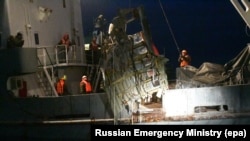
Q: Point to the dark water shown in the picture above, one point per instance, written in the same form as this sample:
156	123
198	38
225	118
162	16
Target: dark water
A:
45	132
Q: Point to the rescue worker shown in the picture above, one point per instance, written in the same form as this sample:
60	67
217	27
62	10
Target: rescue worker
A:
16	41
93	44
85	86
100	26
65	40
60	86
95	52
184	58
64	49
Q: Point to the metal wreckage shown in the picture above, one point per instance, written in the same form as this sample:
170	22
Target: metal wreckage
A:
134	73
133	69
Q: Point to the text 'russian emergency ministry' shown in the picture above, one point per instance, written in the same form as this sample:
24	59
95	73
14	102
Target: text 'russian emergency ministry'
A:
178	134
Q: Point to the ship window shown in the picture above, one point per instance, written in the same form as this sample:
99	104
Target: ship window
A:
36	36
220	108
64	4
15	83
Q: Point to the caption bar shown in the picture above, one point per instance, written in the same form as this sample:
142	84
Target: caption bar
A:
165	131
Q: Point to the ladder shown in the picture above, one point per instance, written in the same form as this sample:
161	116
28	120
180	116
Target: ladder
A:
46	74
45	79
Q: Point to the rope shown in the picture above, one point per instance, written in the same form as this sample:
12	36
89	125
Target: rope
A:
169	26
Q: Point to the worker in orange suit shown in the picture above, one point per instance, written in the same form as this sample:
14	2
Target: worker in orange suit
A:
65	41
60	86
184	58
85	86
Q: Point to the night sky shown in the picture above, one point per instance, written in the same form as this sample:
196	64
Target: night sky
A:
211	30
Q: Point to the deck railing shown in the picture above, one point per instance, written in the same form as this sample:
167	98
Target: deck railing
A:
60	54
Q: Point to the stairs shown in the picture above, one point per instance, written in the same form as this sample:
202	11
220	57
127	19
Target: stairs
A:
45	80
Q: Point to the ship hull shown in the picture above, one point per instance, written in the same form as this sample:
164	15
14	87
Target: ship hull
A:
76	119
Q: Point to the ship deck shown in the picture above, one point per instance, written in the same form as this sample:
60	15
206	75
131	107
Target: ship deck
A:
205	116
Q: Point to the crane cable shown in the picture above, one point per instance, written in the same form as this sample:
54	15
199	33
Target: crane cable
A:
170	29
